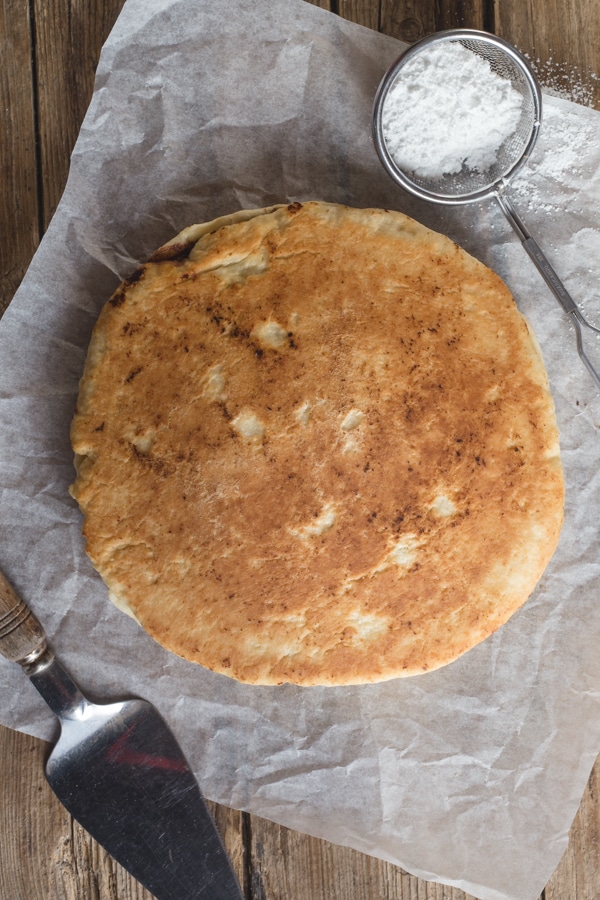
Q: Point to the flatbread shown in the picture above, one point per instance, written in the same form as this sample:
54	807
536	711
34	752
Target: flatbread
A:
316	444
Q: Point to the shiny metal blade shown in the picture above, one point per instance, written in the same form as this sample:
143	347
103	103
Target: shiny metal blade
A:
123	777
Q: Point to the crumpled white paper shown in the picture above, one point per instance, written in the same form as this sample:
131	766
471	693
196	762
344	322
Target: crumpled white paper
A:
470	775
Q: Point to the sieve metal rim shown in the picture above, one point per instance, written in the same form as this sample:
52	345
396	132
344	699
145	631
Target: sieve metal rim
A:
388	79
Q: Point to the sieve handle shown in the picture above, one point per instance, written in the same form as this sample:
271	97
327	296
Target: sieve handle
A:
551	278
533	249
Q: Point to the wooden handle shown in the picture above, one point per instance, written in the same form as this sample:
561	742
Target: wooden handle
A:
22	638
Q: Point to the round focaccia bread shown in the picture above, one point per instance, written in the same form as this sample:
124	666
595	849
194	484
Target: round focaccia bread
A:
316	444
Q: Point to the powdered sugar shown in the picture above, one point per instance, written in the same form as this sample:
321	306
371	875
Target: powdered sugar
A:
448	109
566	153
566	81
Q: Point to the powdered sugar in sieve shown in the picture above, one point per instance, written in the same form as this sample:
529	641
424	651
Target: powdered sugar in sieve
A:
448	109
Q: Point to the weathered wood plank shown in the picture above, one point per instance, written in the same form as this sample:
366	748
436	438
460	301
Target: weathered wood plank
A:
69	37
362	12
232	827
18	198
410	20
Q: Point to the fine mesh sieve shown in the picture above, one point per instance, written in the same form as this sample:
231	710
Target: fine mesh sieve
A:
472	184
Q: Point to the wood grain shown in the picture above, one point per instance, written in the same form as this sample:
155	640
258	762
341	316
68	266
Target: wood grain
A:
69	35
50	50
18	195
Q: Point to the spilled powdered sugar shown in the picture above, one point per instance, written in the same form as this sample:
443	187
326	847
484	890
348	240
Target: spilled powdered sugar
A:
447	109
565	150
560	79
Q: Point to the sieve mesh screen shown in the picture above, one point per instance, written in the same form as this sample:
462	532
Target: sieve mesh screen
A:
469	182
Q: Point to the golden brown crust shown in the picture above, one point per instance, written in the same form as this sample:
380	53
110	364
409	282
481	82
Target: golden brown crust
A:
316	445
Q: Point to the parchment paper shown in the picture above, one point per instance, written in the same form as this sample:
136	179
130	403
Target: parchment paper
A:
470	775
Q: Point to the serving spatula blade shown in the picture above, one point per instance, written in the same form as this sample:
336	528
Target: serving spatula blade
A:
119	771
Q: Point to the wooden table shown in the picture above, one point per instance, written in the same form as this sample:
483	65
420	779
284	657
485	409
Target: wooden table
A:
49	52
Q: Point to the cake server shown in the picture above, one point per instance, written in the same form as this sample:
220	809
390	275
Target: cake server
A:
119	771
